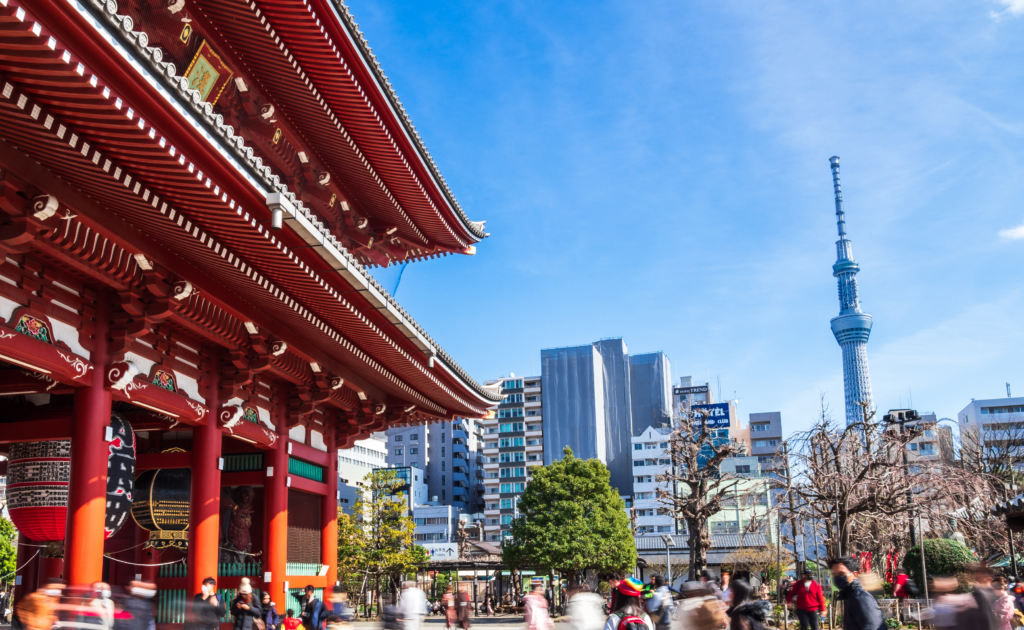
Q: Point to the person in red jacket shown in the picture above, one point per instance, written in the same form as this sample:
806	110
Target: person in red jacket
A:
810	601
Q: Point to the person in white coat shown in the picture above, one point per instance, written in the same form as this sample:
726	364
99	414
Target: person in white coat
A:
413	606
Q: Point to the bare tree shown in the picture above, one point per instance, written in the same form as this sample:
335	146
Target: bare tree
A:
694	489
846	473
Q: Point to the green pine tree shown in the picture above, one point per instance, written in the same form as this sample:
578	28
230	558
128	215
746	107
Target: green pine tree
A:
571	520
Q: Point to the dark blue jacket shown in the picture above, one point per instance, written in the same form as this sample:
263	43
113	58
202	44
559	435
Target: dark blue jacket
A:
860	610
271	617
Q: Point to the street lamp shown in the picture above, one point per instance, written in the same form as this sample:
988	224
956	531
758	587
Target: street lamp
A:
669	543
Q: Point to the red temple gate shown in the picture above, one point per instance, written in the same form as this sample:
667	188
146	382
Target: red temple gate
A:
189	194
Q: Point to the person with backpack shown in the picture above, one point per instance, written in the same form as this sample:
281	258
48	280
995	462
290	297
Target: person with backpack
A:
627	609
748	613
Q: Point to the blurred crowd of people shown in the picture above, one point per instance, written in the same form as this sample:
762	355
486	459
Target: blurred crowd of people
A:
709	603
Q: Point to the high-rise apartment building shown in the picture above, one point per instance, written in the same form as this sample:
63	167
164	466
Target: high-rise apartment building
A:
449	455
513	443
650	390
587	394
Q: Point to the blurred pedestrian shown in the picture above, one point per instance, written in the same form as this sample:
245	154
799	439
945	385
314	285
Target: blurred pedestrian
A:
860	610
726	595
699	609
535	610
101	607
1003	605
36	611
448	603
747	613
207	609
660	605
810	601
585	610
138	604
708	581
413	606
245	610
271	619
980	615
462	600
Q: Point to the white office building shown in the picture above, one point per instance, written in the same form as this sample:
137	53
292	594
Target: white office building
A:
995	421
357	462
650	459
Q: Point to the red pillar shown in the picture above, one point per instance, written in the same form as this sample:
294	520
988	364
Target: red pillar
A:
275	505
87	492
329	513
204	513
28	573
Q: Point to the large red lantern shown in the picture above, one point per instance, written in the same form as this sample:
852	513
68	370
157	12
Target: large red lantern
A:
38	476
37	488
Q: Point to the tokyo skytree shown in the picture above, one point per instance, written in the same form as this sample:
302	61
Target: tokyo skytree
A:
852	327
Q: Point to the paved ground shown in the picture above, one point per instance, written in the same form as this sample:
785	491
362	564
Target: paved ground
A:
437	623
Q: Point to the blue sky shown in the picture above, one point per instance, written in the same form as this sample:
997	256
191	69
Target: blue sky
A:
659	171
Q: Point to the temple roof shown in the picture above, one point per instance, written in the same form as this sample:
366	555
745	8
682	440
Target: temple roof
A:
124	128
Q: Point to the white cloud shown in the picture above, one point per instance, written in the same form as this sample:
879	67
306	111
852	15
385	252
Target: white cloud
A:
1016	233
1013	7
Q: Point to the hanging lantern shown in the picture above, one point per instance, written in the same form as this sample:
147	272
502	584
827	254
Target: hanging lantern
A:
38	477
37	488
120	473
161	506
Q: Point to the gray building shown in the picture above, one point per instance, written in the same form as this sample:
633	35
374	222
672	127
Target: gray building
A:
690	393
587	404
766	439
650	390
449	455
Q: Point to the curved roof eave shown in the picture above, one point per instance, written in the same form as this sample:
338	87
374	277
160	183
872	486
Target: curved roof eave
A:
347	21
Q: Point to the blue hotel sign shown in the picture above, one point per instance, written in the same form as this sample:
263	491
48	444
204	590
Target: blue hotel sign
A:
718	415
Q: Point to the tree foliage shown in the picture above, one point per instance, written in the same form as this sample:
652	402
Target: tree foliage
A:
375	542
571	520
8	550
942	557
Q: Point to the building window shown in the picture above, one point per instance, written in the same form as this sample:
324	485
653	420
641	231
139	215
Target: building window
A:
507	442
531	458
506	519
758	428
442	494
415	464
741	470
398	438
398	451
414	437
651	446
492	445
532	442
442	465
765	443
442	451
512	398
510	427
638	447
507	504
515	412
414	451
443	436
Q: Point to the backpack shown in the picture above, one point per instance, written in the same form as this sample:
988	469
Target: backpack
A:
710	615
632	622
